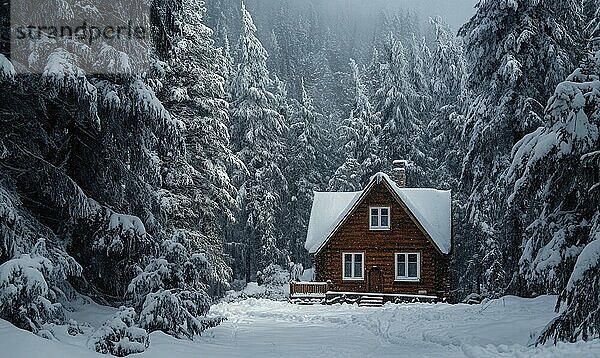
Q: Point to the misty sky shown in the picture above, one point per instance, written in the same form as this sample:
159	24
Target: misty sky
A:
454	12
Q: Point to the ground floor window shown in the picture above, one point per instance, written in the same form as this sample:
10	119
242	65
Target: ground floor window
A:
408	266
352	265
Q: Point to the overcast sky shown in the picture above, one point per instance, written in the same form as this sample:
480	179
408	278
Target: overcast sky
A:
454	12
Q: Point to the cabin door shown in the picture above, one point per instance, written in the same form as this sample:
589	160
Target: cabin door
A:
375	280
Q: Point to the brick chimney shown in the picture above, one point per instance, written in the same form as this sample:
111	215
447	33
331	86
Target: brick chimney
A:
399	168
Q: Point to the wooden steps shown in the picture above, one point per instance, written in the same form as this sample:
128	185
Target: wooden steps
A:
370	301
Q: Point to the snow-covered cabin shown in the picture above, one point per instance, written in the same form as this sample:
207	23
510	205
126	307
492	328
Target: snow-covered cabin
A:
385	239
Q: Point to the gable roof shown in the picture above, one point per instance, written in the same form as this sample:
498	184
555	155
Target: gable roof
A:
430	207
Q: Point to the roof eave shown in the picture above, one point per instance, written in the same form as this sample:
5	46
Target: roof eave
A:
414	218
335	229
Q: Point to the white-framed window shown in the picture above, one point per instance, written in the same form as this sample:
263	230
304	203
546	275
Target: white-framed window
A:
353	264
379	218
408	266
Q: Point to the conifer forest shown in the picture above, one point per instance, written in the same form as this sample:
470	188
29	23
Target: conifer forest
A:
159	188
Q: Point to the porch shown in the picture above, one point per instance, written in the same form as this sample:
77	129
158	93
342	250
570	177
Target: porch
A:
324	293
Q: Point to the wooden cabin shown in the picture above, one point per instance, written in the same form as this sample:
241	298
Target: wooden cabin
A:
384	243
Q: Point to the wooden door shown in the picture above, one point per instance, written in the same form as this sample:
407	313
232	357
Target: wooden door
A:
375	280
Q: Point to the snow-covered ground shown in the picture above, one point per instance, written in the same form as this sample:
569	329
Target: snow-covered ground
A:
265	328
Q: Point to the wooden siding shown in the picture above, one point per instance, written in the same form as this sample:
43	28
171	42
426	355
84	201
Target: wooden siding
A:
379	248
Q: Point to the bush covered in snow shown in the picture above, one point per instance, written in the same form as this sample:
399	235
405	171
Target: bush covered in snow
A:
26	297
179	313
119	336
272	283
170	293
273	275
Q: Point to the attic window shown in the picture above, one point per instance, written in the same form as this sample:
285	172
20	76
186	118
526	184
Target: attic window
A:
379	218
408	266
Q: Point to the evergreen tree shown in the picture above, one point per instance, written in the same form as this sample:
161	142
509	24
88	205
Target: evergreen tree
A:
446	81
258	138
398	108
306	171
359	141
556	174
199	196
97	160
518	51
87	151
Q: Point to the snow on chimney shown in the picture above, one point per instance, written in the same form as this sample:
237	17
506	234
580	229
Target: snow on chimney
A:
400	172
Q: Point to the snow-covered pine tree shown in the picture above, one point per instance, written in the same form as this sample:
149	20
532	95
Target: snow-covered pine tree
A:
372	72
306	171
556	171
419	59
258	134
446	75
199	197
358	135
398	109
228	63
28	295
223	15
517	52
78	150
120	335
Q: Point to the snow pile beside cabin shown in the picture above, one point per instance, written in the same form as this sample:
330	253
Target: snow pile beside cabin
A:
431	207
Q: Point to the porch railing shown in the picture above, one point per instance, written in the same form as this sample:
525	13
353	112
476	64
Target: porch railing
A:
298	289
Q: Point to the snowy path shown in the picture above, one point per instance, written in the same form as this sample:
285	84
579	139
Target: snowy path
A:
276	329
263	328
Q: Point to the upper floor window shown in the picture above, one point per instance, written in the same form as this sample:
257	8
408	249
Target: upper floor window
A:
353	265
408	266
379	218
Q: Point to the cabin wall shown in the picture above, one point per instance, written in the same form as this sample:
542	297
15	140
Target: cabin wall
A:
380	247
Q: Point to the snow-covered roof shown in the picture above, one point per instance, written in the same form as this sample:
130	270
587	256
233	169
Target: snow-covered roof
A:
327	211
431	207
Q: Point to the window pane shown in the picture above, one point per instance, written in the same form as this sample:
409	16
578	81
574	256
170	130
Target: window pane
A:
358	265
401	269
374	221
401	265
358	269
385	222
412	265
385	211
401	258
412	269
374	218
348	265
412	258
348	269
